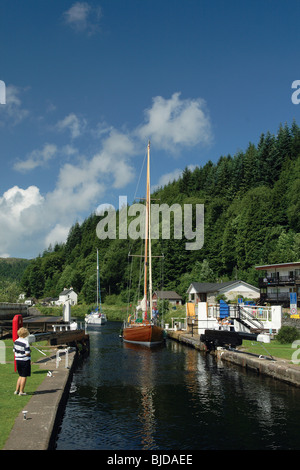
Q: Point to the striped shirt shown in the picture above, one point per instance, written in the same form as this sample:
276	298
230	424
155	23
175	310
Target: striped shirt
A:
22	349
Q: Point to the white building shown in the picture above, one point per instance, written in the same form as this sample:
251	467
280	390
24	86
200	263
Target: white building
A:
208	291
67	295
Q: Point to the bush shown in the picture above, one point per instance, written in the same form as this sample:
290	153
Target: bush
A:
287	334
113	299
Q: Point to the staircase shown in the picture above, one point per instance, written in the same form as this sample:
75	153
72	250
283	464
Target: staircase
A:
252	325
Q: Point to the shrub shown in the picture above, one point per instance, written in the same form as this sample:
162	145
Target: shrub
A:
287	334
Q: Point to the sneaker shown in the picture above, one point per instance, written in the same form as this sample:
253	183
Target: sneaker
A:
22	393
16	392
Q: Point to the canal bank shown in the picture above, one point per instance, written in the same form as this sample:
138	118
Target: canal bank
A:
279	369
46	407
44	410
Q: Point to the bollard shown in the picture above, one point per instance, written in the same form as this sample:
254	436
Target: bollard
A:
58	358
67	358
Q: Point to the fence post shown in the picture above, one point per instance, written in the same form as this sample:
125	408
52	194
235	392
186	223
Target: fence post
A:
2	353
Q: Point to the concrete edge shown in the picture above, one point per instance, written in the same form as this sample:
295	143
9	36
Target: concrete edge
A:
278	369
45	409
60	409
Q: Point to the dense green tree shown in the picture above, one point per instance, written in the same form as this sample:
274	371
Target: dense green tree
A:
186	182
252	208
73	240
295	140
36	279
9	291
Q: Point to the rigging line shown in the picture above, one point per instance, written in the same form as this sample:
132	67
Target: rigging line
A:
138	183
140	270
129	283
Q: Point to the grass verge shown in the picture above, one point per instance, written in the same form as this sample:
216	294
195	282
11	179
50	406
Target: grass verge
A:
10	404
274	348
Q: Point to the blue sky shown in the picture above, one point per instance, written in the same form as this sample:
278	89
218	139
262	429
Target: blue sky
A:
88	83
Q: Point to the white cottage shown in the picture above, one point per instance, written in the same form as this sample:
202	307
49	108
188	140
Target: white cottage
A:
208	291
68	295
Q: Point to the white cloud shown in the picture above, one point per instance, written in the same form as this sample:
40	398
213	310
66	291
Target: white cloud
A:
15	200
15	224
36	158
175	122
58	234
13	112
69	150
83	17
73	123
169	177
31	221
85	183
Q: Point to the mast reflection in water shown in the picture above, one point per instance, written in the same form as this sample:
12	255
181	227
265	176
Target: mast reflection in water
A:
172	397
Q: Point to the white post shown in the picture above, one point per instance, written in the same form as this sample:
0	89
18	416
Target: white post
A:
276	312
67	312
57	358
67	358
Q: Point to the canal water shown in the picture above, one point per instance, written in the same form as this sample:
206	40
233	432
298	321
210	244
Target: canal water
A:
173	398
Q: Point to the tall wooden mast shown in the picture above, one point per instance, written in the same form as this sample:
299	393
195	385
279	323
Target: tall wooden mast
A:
147	239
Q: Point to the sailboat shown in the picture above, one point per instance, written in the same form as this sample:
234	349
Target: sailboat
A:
144	331
97	317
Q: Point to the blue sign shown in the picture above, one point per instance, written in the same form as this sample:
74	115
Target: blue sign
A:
224	309
293	298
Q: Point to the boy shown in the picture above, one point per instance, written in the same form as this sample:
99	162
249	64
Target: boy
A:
23	360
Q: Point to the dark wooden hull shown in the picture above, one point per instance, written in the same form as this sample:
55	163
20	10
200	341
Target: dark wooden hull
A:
144	334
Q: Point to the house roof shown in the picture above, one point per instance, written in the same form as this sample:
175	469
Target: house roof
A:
205	287
168	294
279	265
66	291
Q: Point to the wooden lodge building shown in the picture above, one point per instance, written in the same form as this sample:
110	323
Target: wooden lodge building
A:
278	281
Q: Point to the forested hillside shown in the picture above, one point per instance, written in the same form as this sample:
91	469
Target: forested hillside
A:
252	207
12	269
11	273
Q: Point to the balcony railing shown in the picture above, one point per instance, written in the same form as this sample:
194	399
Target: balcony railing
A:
276	281
277	296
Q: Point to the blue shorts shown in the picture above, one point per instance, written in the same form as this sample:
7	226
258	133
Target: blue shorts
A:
24	368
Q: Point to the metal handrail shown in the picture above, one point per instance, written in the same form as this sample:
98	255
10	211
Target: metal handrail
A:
245	315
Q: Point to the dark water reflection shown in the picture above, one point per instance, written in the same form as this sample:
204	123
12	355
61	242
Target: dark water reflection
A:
173	398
